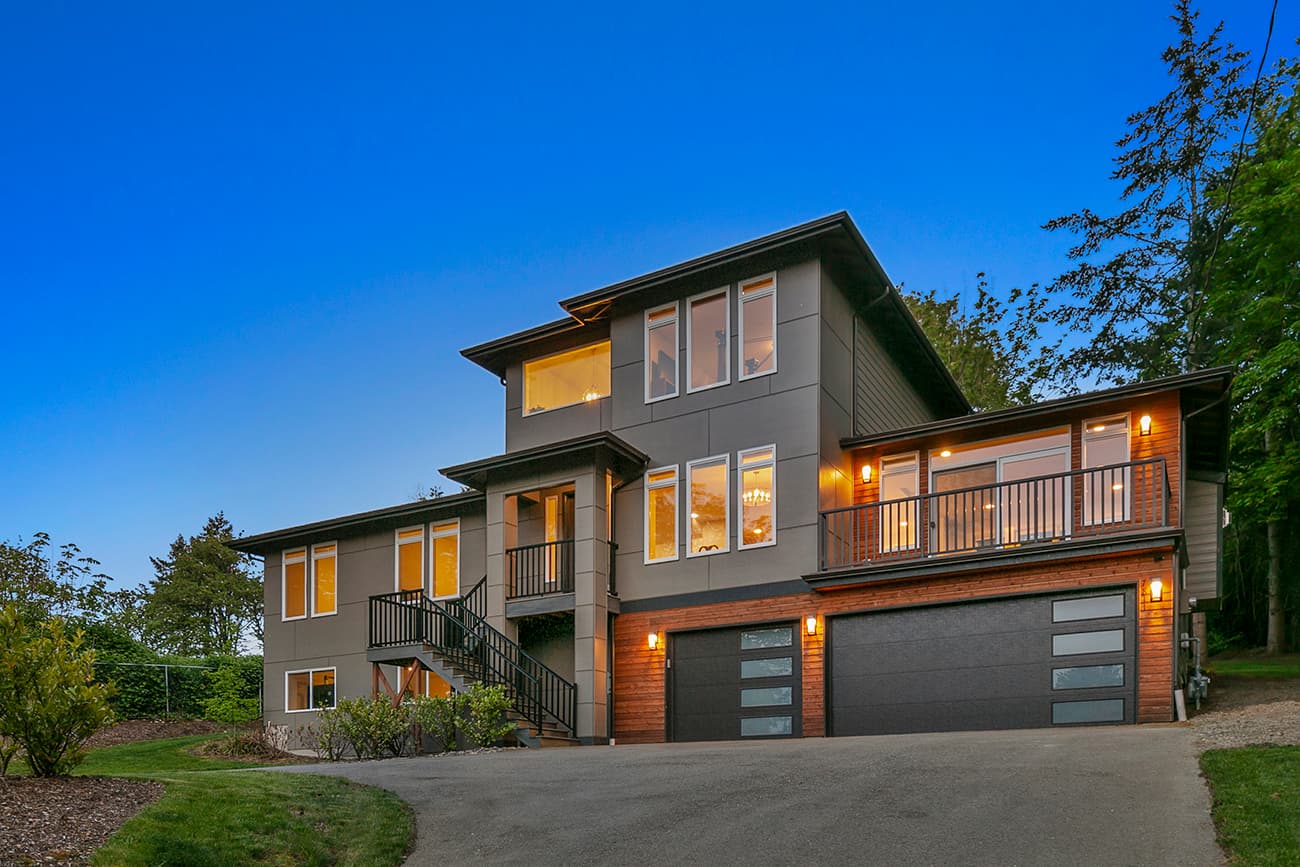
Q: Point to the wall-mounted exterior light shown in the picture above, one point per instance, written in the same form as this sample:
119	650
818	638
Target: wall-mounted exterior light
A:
1144	425
946	453
1156	589
866	474
810	624
653	641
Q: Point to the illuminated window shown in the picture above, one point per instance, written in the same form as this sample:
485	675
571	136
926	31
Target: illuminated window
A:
708	523
661	353
757	497
898	510
423	682
295	584
1106	489
567	378
661	515
410	559
446	559
309	690
324	578
708	361
758	326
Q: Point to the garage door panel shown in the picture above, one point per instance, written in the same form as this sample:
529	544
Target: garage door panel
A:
979	665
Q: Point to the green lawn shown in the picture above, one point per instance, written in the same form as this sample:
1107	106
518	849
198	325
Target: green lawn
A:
1257	803
1256	666
214	814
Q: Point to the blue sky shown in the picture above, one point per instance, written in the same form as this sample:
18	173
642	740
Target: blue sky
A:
241	245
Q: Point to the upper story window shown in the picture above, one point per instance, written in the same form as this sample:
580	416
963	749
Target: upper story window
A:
661	515
1106	492
409	568
661	353
709	527
899	487
446	559
757	497
708	336
758	326
324	579
566	378
294	585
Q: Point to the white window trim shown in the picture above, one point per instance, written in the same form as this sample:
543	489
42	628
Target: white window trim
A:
523	380
725	292
309	672
433	576
677	350
915	458
741	298
1084	439
726	506
284	584
677	512
741	466
311	577
397	558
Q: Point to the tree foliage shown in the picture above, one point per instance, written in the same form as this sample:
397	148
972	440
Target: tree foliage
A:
1138	293
994	348
42	583
49	701
205	596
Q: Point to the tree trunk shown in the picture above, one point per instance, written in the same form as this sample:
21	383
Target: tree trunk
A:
1276	620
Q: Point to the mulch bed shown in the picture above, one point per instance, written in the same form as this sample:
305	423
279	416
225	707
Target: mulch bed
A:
64	819
132	730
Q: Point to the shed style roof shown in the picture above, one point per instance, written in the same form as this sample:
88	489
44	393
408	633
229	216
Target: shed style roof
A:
625	458
1205	408
834	239
389	517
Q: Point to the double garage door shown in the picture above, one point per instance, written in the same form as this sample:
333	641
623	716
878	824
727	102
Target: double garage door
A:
1025	662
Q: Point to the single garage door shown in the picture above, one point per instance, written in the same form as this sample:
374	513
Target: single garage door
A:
726	684
1026	662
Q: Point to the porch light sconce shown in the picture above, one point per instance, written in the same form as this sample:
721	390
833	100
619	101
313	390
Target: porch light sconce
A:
1157	589
654	640
810	624
866	474
1144	425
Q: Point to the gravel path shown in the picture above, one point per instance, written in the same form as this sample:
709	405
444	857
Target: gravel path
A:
1244	712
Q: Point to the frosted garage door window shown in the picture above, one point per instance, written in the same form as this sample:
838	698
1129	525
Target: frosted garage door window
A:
1104	710
766	726
1092	608
1088	676
1073	643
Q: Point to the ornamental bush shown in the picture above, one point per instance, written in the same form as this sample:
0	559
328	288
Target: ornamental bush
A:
483	720
373	728
49	701
439	717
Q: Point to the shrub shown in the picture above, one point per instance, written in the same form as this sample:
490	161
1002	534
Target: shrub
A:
226	704
49	702
484	719
326	736
374	728
439	717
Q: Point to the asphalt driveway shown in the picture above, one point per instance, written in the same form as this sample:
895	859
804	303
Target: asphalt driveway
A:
1129	795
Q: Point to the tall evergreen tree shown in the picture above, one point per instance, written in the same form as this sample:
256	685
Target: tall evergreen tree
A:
1135	301
205	597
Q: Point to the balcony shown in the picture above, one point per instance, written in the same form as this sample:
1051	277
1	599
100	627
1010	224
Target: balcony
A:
1013	515
546	568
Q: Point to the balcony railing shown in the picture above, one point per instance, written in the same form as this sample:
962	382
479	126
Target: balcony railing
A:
1014	514
535	570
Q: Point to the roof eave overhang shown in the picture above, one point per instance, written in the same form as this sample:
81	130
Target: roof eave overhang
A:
623	457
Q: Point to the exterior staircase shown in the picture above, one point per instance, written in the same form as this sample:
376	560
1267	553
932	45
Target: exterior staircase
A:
453	640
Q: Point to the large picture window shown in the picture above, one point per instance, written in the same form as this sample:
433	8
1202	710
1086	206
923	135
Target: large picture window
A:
324	579
445	541
757	484
661	353
312	689
661	515
708	335
566	378
409	568
294	570
709	521
758	326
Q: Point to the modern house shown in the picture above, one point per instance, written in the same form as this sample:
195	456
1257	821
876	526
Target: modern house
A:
741	497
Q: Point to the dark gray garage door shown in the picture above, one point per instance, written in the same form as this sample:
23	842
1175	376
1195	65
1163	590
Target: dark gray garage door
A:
726	684
1012	663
